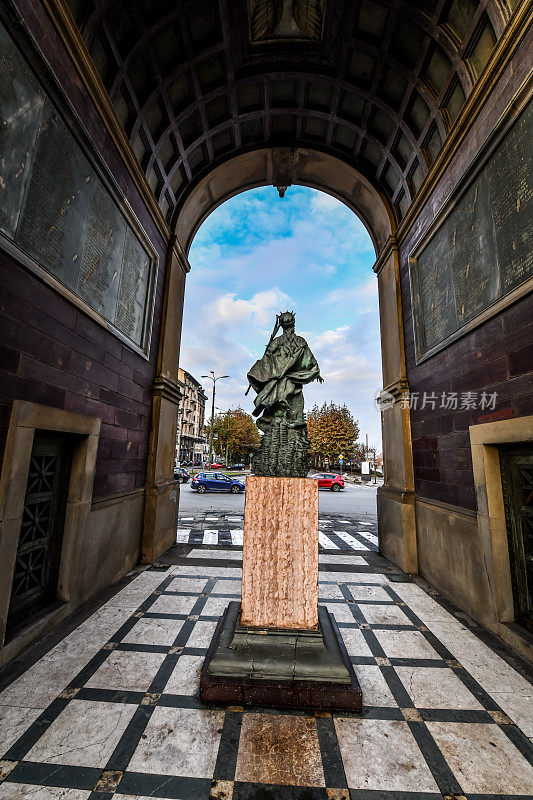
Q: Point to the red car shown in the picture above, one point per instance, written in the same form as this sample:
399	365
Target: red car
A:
216	465
328	480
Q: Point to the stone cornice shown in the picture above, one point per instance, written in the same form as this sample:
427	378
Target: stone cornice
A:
390	246
399	389
168	389
179	254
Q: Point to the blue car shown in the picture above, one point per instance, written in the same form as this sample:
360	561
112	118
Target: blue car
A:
216	482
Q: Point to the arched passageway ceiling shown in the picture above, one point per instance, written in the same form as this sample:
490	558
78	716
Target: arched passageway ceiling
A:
377	83
267	166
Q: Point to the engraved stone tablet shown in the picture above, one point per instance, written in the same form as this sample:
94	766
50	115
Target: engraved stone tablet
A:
483	248
56	207
436	293
52	228
21	103
472	253
99	276
133	288
510	188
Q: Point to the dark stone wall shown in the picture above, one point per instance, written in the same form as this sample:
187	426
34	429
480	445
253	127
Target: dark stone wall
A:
495	357
50	351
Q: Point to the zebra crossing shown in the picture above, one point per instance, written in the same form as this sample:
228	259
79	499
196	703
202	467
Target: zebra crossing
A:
228	530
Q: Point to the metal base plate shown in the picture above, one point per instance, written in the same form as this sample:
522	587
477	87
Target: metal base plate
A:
302	669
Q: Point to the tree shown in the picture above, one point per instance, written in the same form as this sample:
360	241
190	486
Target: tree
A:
358	454
235	433
332	431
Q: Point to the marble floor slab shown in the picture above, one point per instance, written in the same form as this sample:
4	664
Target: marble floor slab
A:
382	755
179	741
279	749
83	733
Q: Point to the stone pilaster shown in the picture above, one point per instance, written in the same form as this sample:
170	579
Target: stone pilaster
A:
396	498
162	490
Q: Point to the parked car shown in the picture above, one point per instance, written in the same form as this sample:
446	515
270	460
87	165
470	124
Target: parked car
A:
328	480
217	465
181	474
236	467
216	482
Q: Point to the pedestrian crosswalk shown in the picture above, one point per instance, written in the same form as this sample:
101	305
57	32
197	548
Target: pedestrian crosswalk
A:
228	531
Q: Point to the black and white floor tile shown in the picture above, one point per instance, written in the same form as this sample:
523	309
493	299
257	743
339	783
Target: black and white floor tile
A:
227	531
112	711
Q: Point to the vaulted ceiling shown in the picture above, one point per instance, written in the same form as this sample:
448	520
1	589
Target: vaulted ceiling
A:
378	84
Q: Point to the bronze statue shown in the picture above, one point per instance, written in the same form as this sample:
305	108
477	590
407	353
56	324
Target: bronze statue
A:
278	378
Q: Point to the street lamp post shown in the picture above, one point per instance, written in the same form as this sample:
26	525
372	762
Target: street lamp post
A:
213	378
227	414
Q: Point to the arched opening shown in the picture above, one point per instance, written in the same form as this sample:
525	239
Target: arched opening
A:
383	91
257	255
283	167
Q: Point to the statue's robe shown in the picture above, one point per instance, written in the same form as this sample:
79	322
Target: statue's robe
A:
278	376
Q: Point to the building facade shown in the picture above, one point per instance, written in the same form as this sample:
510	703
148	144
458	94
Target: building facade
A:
121	132
190	440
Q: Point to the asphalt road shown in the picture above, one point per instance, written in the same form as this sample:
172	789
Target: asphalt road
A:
358	500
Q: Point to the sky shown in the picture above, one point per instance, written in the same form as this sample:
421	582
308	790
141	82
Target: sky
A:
257	255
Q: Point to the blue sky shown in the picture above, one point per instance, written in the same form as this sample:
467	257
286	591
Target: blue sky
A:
257	255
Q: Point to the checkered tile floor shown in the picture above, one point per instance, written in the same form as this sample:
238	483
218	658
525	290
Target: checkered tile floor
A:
112	710
227	530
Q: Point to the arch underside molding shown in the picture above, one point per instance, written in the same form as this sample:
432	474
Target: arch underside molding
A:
283	167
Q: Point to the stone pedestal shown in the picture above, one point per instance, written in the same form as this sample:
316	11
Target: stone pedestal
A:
280	553
278	646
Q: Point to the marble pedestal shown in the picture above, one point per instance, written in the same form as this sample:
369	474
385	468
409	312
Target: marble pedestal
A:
278	646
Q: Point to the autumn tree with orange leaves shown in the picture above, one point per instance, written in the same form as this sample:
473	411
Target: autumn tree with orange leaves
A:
235	433
332	432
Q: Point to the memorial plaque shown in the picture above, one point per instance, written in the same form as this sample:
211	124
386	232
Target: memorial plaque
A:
99	276
21	103
483	248
436	295
55	206
133	290
510	189
53	223
472	253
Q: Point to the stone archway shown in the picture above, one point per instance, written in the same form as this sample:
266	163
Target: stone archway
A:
282	167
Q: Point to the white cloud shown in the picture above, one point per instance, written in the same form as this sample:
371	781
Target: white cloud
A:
362	294
324	202
329	337
229	308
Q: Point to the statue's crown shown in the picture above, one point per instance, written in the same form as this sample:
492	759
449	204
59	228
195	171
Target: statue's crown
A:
287	316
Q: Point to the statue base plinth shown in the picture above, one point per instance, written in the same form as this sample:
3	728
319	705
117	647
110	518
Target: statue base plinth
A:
280	553
279	666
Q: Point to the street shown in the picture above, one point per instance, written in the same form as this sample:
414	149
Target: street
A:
352	500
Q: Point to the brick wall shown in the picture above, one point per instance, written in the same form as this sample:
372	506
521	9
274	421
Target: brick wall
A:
496	357
51	353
